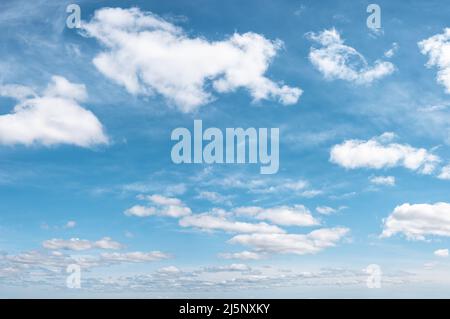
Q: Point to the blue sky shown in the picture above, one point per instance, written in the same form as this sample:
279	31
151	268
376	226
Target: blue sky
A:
86	175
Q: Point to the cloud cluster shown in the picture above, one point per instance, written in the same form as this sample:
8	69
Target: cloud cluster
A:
146	54
23	271
54	117
418	221
380	152
53	262
437	48
299	244
336	60
260	228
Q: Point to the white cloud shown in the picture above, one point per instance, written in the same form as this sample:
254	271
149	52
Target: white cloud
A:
243	255
326	210
379	153
169	270
445	173
392	51
300	244
228	268
80	244
70	224
164	206
441	253
107	243
383	180
140	211
53	118
418	220
214	221
18	92
437	48
146	54
335	60
51	264
36	269
297	215
215	198
71	244
163	200
134	257
267	186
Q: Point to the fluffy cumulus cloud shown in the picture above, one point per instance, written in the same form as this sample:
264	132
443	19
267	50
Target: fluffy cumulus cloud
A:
441	253
418	221
437	48
445	173
81	244
162	206
297	215
51	118
146	54
214	221
336	60
381	152
299	244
